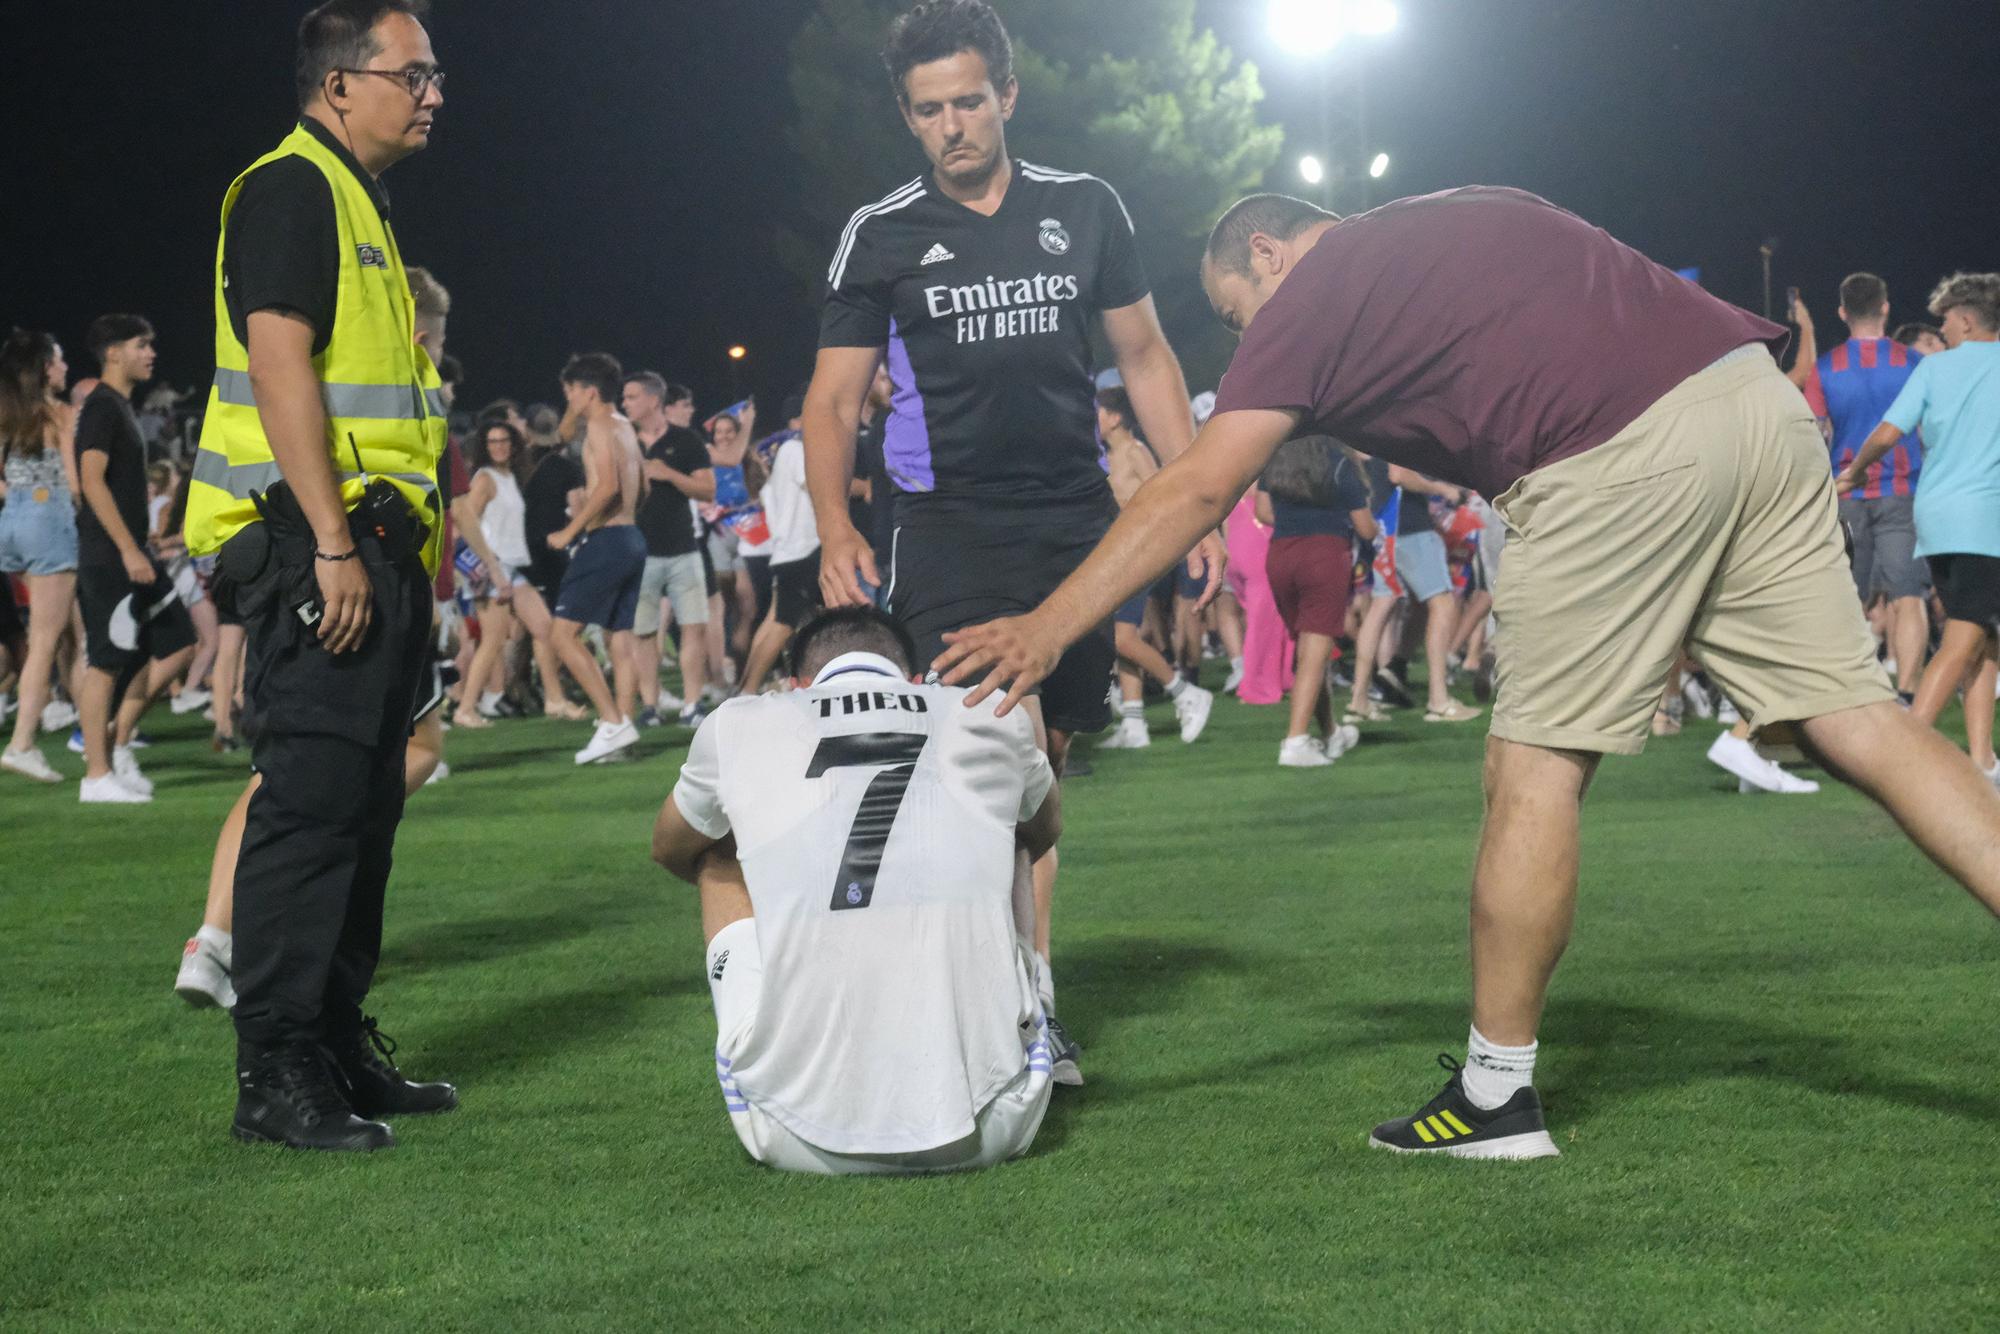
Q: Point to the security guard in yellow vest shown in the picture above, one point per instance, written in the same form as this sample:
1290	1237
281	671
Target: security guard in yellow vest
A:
316	481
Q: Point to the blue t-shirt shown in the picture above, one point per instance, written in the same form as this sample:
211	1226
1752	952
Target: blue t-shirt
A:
1350	493
1954	398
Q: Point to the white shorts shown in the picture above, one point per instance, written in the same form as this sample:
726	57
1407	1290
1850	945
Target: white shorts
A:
679	579
1004	1128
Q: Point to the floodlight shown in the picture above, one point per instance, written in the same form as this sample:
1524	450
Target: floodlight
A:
1379	167
1311	170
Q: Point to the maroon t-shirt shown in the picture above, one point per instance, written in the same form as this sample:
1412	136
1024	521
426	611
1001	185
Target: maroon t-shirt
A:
1476	335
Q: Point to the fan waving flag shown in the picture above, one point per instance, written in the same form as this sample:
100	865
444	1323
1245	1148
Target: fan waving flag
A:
1385	546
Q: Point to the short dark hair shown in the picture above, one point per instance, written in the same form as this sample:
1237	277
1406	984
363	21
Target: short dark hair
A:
1907	334
597	370
340	34
652	381
1863	295
1978	293
850	630
1280	217
677	393
1113	398
939	30
107	330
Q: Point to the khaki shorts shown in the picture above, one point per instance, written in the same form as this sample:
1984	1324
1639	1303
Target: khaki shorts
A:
1709	522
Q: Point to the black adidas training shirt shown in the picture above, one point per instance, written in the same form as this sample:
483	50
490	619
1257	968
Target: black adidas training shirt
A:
985	321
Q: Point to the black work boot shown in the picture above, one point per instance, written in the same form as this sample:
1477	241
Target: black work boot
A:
374	1086
287	1095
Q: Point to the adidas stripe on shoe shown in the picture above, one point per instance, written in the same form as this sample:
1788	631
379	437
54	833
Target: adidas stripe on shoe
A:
1451	1124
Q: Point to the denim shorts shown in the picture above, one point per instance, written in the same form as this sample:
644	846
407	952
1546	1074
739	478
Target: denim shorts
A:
37	536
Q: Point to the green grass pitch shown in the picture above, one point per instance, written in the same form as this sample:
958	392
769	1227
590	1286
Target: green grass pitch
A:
1768	1062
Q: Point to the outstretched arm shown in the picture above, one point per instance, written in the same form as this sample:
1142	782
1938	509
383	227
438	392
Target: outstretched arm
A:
1187	499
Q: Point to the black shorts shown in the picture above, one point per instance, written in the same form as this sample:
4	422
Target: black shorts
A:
1968	586
795	595
956	563
601	586
759	570
126	625
11	626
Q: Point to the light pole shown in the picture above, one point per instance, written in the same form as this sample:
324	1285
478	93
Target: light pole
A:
1312	29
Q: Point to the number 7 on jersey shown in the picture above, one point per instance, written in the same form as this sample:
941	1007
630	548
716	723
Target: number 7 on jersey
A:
854	884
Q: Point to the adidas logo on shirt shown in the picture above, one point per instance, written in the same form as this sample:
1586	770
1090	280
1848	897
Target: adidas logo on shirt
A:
937	254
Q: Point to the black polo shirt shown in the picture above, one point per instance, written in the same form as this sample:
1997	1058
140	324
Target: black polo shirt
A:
282	248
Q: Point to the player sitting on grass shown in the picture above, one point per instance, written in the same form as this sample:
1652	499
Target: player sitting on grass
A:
861	845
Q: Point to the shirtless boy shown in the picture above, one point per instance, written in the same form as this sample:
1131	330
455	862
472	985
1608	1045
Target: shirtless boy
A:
607	551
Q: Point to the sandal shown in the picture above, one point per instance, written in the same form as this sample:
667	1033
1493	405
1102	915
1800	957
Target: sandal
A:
1453	712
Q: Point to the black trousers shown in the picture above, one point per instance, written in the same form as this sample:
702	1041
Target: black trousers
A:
318	843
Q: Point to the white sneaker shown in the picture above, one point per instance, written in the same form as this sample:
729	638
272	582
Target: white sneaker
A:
1344	738
1699	702
607	740
1193	708
439	774
29	763
204	977
58	714
108	791
1302	752
126	768
669	702
1130	734
1235	680
1753	772
1726	714
191	699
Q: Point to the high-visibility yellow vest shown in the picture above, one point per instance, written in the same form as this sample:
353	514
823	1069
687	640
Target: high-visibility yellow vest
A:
385	416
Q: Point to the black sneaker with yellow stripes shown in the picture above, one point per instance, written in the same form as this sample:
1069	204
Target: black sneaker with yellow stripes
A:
1451	1124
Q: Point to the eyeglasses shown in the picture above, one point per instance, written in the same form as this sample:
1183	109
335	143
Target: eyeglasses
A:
414	80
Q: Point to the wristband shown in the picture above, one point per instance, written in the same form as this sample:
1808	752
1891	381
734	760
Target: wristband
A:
350	554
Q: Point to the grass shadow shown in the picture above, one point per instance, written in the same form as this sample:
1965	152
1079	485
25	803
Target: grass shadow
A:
530	1032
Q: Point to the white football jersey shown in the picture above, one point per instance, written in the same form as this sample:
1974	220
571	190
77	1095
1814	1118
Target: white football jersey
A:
875	821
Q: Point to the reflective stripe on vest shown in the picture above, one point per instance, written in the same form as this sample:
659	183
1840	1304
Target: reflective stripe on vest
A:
383	402
240	479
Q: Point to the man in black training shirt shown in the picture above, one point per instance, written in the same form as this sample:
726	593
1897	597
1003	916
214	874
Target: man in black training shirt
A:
131	616
978	282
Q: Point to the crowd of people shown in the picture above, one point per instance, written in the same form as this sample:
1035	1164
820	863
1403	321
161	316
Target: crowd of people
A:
950	473
605	549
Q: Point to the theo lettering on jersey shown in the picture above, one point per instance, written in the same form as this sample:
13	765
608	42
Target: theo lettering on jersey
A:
1003	307
873	701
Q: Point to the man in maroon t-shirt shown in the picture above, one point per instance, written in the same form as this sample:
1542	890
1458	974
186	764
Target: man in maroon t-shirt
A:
1662	484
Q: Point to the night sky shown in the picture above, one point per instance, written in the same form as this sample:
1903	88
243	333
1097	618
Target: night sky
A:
604	173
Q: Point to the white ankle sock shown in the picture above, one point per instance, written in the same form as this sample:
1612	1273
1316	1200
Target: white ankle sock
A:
1236	664
489	699
1494	1073
1176	686
1045	983
1132	708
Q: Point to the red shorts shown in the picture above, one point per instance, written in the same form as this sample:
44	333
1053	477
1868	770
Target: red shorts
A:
1311	581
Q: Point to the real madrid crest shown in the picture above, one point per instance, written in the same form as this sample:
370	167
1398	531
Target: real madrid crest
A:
1054	239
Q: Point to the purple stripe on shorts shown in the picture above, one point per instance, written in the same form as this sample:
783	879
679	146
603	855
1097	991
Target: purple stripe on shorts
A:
906	444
